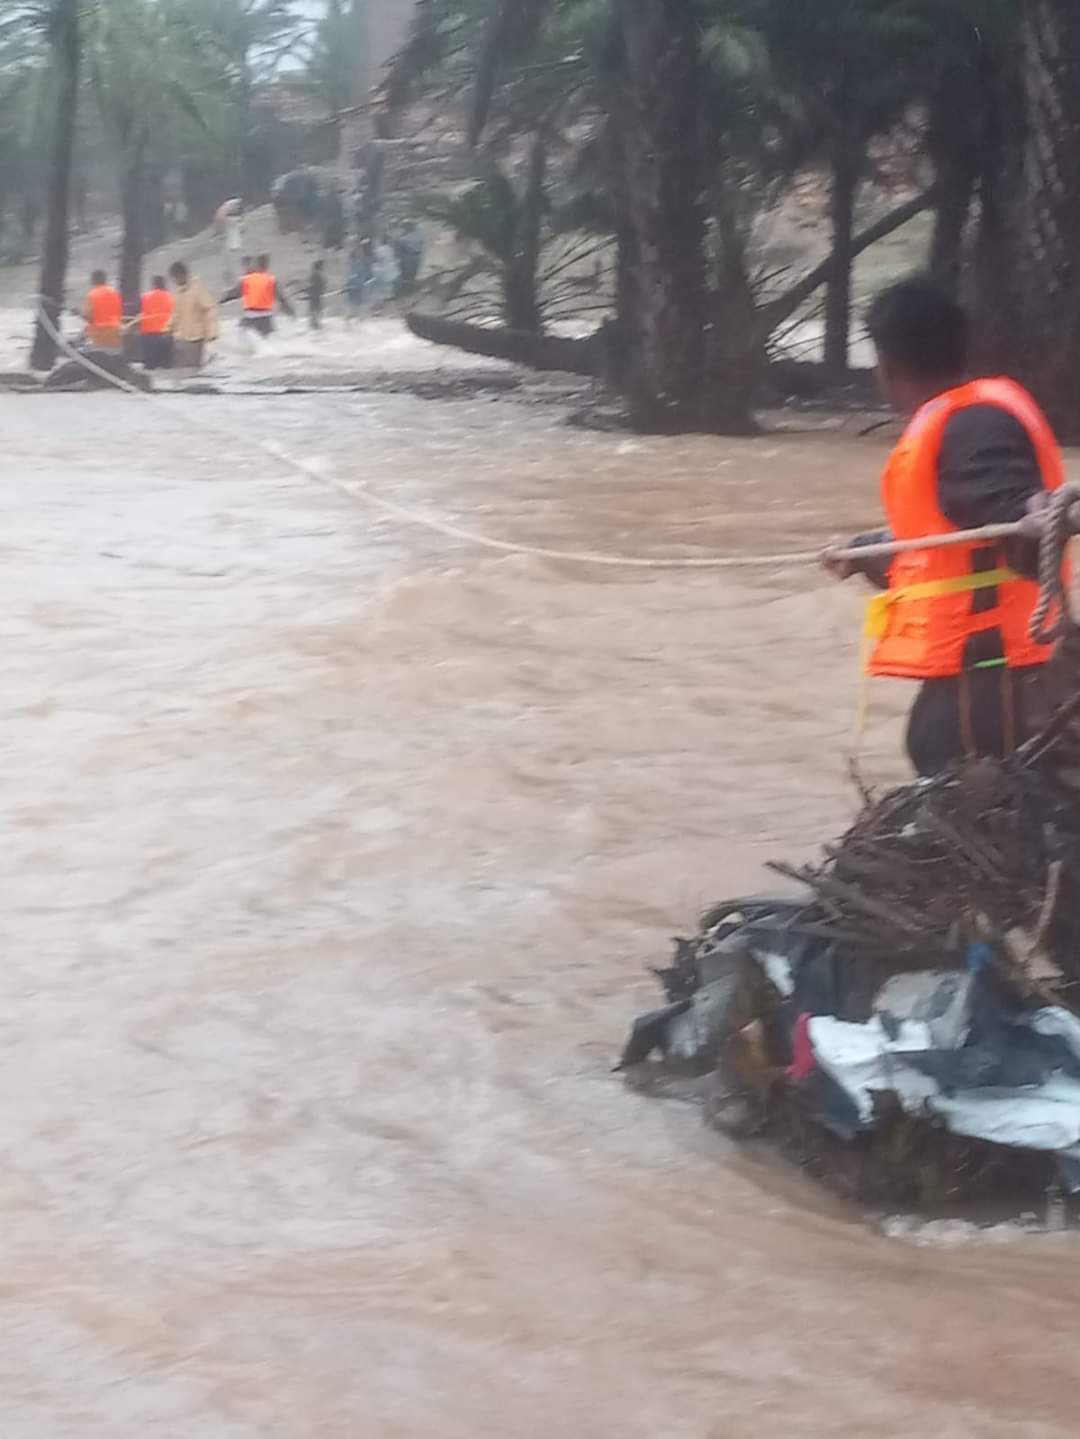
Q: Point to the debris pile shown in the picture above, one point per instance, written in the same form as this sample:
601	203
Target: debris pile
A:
911	1029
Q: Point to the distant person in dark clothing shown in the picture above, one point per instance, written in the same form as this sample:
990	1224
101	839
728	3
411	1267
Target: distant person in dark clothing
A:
409	248
316	294
356	284
974	453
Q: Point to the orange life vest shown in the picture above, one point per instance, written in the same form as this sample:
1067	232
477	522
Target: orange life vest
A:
259	290
930	611
157	311
105	308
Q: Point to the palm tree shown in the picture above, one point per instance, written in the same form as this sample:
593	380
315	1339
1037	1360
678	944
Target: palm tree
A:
145	74
686	128
658	111
333	63
649	80
25	122
59	21
246	42
1037	289
970	89
850	68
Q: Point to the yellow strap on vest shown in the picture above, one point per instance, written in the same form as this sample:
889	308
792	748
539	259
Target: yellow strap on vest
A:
877	617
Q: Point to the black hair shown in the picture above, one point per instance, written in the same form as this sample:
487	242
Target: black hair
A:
159	282
245	264
918	325
99	278
319	265
264	262
179	271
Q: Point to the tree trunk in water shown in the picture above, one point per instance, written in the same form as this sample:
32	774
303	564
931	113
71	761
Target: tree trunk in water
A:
1045	301
950	227
659	124
847	166
54	260
132	246
155	226
538	352
735	339
522	301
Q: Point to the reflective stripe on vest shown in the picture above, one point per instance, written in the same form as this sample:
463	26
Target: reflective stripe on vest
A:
106	310
925	621
157	311
259	291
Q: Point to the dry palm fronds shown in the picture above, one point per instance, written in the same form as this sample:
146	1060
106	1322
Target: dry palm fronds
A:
988	853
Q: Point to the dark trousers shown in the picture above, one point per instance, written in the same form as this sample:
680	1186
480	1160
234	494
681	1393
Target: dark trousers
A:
261	324
315	316
157	351
980	712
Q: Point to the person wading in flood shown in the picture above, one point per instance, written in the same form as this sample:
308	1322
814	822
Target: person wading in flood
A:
975	452
316	294
260	292
103	313
155	318
194	322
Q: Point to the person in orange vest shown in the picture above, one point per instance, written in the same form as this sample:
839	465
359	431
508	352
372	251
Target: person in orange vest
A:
155	321
260	293
103	312
975	452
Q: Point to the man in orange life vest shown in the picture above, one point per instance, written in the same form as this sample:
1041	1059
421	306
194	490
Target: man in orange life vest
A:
975	452
155	319
260	292
103	313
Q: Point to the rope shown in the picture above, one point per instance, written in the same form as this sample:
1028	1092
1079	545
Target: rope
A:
1052	549
1058	528
417	517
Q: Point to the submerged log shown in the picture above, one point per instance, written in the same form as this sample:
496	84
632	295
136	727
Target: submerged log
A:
536	352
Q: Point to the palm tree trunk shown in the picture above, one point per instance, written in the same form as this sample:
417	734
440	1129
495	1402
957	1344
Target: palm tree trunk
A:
999	184
956	139
522	308
155	227
848	159
664	287
132	246
1044	308
66	48
950	227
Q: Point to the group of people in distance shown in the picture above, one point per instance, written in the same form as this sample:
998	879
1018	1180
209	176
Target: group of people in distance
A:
176	324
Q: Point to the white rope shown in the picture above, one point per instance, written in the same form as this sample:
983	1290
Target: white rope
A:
416	517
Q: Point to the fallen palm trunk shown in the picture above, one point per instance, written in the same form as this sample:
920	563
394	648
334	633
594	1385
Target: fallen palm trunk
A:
536	352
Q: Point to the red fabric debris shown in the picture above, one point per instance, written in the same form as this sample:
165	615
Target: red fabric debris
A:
802	1051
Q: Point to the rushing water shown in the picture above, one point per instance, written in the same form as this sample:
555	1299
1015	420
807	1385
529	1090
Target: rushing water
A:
334	853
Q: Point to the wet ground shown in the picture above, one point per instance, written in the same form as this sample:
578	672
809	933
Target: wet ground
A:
334	852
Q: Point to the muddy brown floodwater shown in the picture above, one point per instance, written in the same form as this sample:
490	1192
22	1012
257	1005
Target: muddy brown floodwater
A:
333	855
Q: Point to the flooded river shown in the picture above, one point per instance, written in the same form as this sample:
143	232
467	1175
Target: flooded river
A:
334	852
